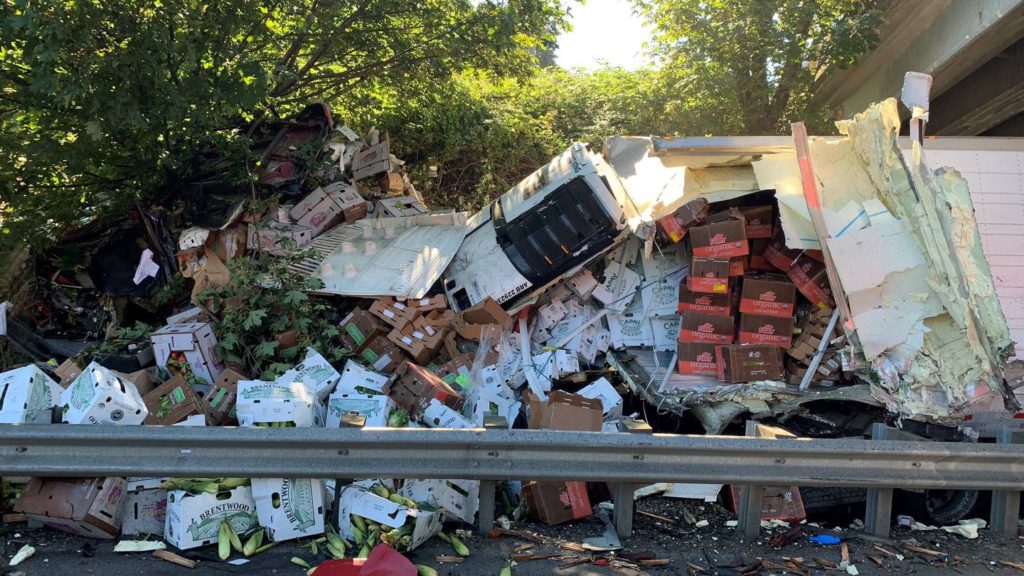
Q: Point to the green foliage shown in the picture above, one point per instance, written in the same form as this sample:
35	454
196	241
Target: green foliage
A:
103	103
263	300
758	62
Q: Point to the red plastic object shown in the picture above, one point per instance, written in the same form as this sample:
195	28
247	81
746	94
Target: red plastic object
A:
383	561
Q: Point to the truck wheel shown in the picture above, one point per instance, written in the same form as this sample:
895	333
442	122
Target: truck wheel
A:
940	507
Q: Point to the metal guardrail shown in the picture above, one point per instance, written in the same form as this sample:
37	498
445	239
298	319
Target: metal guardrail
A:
65	450
490	455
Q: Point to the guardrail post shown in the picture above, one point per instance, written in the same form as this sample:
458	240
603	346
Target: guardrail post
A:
485	511
622	495
878	507
748	509
1006	503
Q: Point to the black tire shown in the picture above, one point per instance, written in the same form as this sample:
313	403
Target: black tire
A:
939	507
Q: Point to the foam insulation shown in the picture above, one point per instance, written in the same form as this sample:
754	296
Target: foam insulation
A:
967	343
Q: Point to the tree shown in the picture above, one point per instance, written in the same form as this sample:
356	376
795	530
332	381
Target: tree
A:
104	103
760	61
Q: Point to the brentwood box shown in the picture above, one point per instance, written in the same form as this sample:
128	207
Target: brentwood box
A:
690	301
768	296
772	330
744	363
811	279
723	238
708	275
193	520
759	221
697	358
706	328
289	508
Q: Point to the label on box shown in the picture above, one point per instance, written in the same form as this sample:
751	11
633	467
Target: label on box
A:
706	328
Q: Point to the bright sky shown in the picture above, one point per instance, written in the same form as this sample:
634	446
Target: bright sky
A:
603	31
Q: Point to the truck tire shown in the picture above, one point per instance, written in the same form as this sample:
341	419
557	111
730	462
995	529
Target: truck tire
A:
939	507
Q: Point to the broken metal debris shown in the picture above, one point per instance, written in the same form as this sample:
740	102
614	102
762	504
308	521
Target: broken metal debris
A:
699	290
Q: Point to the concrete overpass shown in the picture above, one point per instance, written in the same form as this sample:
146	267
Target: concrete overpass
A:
974	49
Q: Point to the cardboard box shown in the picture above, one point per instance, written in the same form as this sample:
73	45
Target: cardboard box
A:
777	254
755	329
437	302
319	210
100	396
706	328
811	280
759	220
413	387
399	207
756	260
358	328
725	237
373	160
279	238
690	301
470	322
219	402
375	408
172	402
393	312
188	350
674	226
460	498
68	371
768	296
260	401
564	411
420	344
358	500
583	284
392	183
748	363
619	283
289	508
27	396
492	397
611	400
356	379
697	358
193	520
557	502
84	506
666	331
315	372
145	512
382	355
437	415
737	266
145	380
779	503
455	372
353	206
708	276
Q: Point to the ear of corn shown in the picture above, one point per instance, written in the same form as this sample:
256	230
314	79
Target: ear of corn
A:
335	552
253	543
459	547
236	542
364	552
358	522
223	542
299	562
422	570
507	570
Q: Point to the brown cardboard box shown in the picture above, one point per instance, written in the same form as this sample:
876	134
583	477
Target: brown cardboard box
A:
421	343
278	238
435	320
756	259
429	303
557	502
778	503
748	363
565	411
84	506
723	235
674	226
759	220
706	328
318	210
756	329
470	322
768	296
382	355
690	301
708	276
777	254
358	328
68	371
392	182
219	402
181	402
413	387
811	279
145	380
455	370
391	311
696	358
737	266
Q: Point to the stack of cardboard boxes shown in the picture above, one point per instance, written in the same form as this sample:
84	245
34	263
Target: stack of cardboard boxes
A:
736	319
